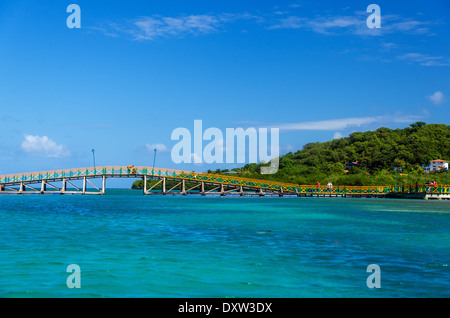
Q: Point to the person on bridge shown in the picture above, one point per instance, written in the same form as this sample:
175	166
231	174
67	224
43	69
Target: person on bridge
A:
329	186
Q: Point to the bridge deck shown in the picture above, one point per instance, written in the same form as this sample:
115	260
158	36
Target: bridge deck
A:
25	183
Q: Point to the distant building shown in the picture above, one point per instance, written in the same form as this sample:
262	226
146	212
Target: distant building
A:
437	165
351	164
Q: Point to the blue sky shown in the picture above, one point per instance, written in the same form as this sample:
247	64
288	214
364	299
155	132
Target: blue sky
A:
136	70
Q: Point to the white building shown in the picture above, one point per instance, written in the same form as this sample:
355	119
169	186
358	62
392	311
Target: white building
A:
437	165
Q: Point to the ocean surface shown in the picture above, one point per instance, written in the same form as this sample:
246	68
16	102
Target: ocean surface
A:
130	245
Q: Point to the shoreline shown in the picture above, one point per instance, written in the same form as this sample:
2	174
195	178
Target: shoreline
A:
177	193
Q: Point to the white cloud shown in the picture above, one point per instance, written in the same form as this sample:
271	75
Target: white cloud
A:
425	60
156	26
345	123
352	24
43	147
291	22
437	98
150	28
412	25
335	25
332	124
338	135
158	147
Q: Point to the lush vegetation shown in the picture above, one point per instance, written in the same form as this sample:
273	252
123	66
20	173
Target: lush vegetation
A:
377	153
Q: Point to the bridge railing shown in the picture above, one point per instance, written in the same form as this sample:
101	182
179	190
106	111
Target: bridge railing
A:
140	171
422	188
344	190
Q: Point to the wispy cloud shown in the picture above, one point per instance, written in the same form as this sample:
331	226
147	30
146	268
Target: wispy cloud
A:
410	26
425	60
332	124
294	5
150	28
346	123
331	25
157	26
338	135
109	29
355	24
158	147
154	27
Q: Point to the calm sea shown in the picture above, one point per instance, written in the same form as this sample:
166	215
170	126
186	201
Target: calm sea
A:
130	245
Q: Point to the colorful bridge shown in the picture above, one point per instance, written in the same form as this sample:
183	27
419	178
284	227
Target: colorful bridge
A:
190	182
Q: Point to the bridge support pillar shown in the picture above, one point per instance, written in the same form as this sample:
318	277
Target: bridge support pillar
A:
260	192
64	186
241	191
202	189
164	186
183	187
2	188
145	185
21	188
43	187
84	185
104	185
222	191
281	193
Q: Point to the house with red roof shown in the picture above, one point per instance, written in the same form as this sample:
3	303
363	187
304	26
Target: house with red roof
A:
437	165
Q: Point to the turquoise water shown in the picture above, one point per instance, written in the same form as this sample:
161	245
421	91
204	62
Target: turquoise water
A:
129	245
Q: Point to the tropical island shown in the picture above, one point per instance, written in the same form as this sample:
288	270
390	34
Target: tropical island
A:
361	159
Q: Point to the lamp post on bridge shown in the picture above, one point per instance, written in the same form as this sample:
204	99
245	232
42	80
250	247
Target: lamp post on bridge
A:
425	168
397	169
446	175
154	160
93	156
271	176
